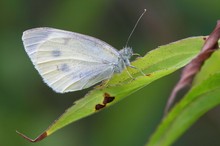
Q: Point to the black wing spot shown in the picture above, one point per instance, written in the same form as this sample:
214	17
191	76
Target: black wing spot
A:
64	67
56	53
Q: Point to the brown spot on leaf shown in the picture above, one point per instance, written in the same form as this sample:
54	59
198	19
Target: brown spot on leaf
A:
99	106
189	72
149	75
39	138
108	98
106	95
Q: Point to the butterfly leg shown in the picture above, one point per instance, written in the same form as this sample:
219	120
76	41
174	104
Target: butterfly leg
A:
129	73
131	66
104	83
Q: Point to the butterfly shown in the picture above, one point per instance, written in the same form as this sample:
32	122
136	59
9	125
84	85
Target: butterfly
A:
69	61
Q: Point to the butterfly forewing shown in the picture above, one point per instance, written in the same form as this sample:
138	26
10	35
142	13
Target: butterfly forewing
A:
69	61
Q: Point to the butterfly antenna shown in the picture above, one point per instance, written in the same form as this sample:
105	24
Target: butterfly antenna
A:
135	27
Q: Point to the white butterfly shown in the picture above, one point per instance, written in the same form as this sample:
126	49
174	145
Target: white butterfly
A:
70	61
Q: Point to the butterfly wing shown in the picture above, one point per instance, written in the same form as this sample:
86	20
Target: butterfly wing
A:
69	61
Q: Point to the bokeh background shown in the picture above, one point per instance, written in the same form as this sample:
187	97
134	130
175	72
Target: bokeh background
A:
28	105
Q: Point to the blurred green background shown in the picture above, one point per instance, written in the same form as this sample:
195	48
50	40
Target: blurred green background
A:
30	106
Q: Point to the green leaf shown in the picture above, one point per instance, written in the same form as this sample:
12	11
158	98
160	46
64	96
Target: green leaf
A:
155	64
203	96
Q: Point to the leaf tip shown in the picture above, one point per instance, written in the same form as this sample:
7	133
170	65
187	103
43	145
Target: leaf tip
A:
39	138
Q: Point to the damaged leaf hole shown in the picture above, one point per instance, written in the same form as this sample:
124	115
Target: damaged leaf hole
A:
107	99
99	106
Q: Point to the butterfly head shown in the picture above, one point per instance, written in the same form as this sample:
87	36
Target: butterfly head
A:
126	54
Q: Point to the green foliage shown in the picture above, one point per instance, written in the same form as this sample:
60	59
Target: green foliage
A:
28	105
203	96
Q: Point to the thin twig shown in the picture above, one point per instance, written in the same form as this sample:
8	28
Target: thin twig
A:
189	72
